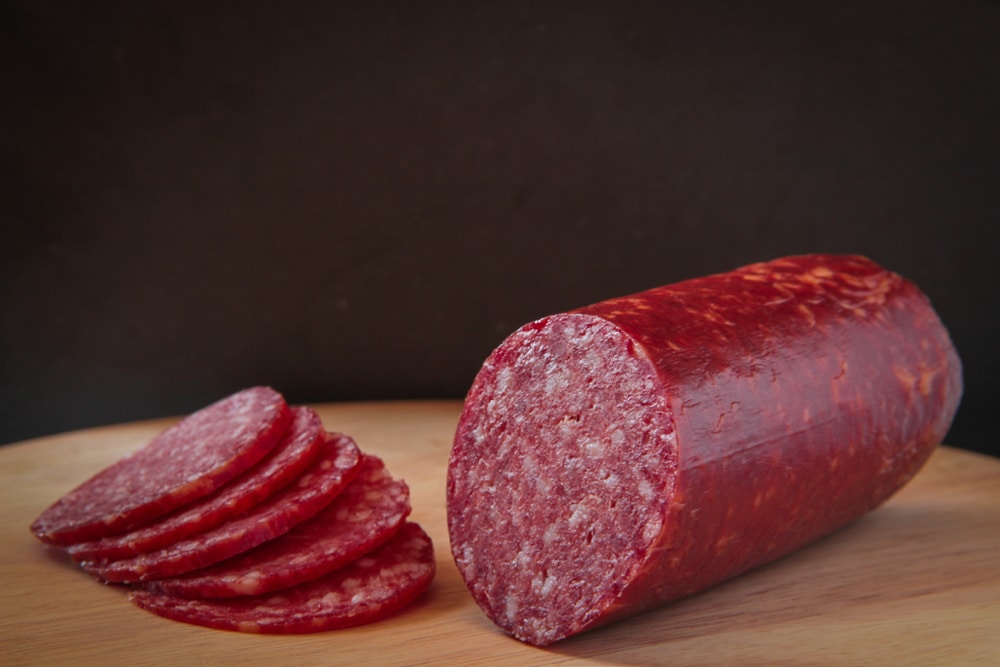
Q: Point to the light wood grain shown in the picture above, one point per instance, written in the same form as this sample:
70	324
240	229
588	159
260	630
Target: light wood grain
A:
917	582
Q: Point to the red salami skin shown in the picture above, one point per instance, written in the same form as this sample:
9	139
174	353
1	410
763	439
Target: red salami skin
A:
371	588
370	510
311	492
187	461
301	444
647	447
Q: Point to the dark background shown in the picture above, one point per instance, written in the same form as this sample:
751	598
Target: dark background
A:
353	202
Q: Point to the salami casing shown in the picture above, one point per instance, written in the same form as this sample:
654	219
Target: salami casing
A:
647	447
187	461
370	588
300	445
312	491
370	510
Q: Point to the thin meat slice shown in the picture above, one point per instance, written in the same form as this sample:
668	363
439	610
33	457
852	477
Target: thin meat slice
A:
314	490
300	446
189	460
371	588
370	510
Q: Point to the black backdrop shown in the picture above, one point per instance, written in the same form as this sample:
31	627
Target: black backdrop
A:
353	201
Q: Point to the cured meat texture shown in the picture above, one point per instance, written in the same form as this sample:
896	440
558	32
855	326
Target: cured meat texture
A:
187	461
315	523
644	448
300	445
310	493
372	587
369	511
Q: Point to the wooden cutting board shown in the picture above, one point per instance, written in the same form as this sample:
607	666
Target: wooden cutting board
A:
917	582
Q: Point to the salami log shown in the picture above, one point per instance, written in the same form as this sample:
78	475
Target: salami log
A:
187	461
647	447
369	511
312	491
369	589
300	445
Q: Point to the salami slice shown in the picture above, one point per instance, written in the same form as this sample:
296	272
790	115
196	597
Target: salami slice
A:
370	510
300	445
187	461
371	588
311	492
647	447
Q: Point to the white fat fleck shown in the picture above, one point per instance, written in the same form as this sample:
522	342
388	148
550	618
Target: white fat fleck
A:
407	569
645	490
579	515
351	584
511	609
617	438
612	481
247	585
556	382
468	558
542	584
346	459
593	448
503	379
547	586
542	485
652	529
549	536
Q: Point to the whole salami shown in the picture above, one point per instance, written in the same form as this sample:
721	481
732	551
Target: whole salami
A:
641	449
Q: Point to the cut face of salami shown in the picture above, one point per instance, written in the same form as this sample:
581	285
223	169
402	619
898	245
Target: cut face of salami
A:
300	445
371	588
312	491
188	461
644	448
369	511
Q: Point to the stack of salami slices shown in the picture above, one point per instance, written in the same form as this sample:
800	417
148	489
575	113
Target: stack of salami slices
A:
248	515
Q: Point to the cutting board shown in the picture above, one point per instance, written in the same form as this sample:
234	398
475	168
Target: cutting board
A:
917	582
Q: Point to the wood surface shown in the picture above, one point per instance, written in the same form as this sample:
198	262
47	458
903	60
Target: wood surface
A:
917	582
